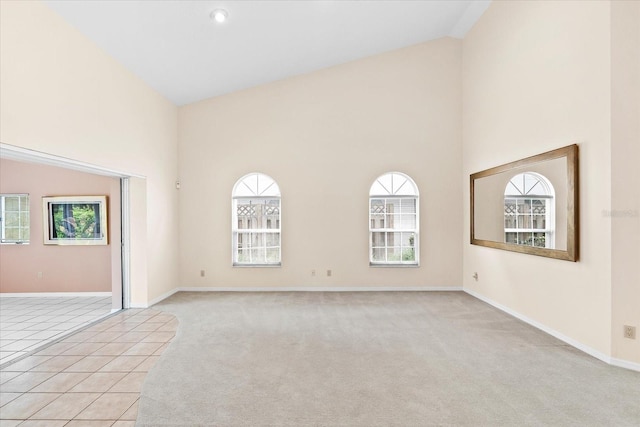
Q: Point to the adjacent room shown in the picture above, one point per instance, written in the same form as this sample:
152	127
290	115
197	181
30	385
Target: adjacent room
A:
48	288
322	212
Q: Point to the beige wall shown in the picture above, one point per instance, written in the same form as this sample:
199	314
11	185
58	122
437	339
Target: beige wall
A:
64	96
325	137
63	268
536	78
625	176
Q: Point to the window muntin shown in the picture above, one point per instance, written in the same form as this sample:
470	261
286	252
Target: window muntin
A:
529	211
14	218
256	221
393	221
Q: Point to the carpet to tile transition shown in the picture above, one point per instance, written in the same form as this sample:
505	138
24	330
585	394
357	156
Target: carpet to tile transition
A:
373	359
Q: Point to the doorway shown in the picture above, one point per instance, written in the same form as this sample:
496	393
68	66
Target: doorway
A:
60	289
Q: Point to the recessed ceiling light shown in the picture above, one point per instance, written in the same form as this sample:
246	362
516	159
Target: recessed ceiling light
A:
219	15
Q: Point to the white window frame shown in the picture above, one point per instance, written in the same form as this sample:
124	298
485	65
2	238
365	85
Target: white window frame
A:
22	240
542	190
394	186
255	189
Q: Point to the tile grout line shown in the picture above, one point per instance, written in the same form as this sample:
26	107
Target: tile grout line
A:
155	344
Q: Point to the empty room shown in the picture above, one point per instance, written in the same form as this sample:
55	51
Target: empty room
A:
322	213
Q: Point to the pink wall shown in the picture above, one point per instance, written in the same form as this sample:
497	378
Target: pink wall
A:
63	268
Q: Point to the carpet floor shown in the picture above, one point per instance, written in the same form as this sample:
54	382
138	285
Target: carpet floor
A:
373	359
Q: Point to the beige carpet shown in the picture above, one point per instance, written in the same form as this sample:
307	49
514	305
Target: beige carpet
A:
373	359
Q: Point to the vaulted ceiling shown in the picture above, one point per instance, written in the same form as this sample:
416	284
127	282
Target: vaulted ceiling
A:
176	48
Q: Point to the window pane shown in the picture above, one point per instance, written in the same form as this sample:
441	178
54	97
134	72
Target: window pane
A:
12	233
377	221
511	237
394	254
11	203
377	206
243	240
11	219
392	207
243	256
273	255
539	240
524	221
273	239
257	240
408	239
258	255
397	222
408	205
378	254
408	254
393	239
510	221
408	221
525	239
377	239
538	206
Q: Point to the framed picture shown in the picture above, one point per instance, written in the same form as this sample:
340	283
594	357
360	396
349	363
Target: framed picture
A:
75	220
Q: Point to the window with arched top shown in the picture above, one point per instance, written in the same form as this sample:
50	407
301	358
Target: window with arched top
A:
256	221
529	211
394	221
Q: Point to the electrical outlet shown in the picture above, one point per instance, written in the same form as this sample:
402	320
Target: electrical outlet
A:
475	276
313	273
39	274
201	273
329	272
630	332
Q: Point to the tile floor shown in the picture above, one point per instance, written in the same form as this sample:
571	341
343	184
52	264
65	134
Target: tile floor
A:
91	378
27	323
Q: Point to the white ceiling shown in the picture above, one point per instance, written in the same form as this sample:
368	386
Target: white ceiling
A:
178	50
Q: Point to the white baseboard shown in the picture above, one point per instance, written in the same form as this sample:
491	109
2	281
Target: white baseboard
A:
625	364
155	300
321	289
298	289
580	346
54	294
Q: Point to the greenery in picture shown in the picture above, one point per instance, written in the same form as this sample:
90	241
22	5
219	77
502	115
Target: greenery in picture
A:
76	221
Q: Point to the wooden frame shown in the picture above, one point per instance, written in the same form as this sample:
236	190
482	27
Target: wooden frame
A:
572	249
75	220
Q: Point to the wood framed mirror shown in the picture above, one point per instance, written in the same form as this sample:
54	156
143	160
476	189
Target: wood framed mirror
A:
529	205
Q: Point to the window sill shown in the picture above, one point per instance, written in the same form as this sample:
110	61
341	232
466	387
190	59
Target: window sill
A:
257	265
14	243
371	264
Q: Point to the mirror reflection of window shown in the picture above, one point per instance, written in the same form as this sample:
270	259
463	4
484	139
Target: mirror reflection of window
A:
529	211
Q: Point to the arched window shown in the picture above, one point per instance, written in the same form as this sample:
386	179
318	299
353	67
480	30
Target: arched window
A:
256	221
529	211
393	220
